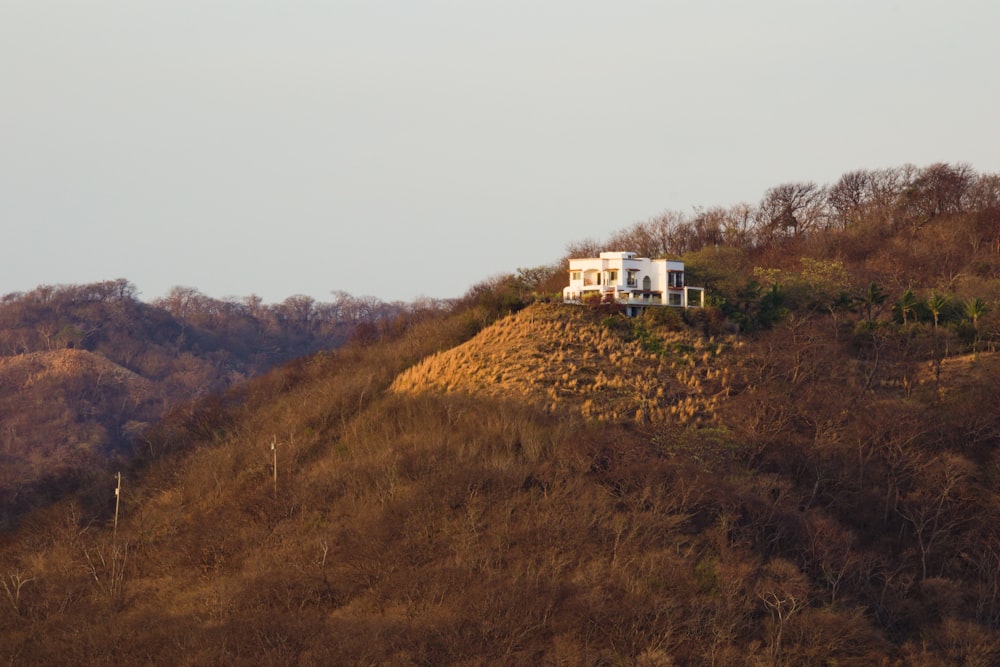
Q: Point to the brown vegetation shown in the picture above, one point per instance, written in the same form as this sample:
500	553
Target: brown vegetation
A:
604	367
445	495
86	369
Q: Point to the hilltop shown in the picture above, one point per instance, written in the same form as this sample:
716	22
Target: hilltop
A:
555	357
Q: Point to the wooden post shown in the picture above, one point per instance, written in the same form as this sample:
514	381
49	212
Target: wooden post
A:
274	449
118	498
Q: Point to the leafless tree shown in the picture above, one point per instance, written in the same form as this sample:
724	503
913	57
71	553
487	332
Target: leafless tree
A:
791	209
849	197
936	506
938	190
12	585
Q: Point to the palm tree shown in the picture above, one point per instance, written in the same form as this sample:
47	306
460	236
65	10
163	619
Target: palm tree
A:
907	304
975	308
870	301
937	303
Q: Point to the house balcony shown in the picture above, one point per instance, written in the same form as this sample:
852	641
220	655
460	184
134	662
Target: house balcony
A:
678	297
618	294
640	299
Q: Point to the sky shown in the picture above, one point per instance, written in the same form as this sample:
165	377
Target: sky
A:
405	149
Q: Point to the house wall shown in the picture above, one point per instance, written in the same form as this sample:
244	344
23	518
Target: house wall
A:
595	273
609	273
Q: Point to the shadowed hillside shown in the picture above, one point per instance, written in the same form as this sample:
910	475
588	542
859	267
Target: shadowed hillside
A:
62	412
86	369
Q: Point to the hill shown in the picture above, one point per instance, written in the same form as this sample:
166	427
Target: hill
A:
555	358
451	525
62	412
804	473
86	369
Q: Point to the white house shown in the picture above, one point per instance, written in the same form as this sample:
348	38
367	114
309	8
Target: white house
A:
635	282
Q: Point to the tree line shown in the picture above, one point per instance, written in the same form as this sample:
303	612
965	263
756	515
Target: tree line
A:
100	316
894	199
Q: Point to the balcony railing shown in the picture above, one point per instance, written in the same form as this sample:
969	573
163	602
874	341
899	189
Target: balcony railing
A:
672	296
630	300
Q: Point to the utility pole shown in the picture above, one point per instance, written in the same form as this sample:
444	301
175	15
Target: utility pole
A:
274	449
118	498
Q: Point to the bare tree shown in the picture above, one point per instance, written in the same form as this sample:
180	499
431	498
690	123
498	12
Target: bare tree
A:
849	197
584	248
297	311
791	209
12	585
737	226
937	506
709	226
940	189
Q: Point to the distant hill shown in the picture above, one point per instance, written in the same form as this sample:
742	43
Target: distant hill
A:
63	412
86	369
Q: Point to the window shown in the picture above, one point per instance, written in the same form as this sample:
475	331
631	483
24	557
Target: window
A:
574	276
612	277
631	281
675	299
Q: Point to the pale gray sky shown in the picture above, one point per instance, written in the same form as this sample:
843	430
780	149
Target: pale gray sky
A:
403	149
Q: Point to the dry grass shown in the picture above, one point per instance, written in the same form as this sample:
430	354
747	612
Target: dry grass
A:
562	358
62	365
960	373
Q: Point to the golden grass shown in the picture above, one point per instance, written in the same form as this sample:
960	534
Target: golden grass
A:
562	358
58	365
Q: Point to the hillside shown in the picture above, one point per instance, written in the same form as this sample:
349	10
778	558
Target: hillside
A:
555	358
85	369
61	412
451	525
806	472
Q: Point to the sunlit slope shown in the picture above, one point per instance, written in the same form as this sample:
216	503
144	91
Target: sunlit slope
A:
604	367
27	370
